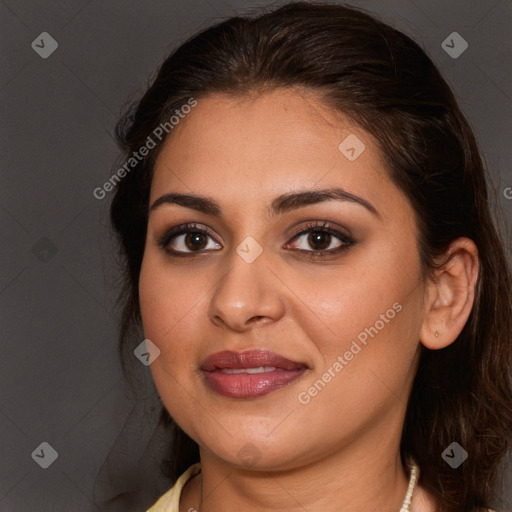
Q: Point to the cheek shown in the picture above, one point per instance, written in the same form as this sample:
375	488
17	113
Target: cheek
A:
165	308
365	368
344	303
170	303
371	311
165	298
153	301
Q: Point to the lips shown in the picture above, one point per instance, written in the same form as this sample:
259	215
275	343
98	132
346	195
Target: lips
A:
249	374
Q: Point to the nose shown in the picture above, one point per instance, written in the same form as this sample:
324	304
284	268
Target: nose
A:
247	296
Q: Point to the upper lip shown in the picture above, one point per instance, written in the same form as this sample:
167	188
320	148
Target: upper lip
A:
249	359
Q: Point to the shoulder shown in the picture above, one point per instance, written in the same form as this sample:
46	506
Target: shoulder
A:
170	501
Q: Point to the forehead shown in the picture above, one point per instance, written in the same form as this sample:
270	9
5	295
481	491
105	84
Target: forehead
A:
265	145
285	119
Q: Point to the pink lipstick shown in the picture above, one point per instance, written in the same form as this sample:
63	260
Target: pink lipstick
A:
249	374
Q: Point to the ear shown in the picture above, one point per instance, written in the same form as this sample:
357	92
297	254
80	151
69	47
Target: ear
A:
450	295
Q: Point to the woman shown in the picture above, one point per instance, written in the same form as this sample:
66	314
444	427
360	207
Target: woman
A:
310	254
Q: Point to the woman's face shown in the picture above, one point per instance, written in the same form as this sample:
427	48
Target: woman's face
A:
332	341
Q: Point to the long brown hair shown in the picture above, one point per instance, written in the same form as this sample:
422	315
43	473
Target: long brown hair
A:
383	81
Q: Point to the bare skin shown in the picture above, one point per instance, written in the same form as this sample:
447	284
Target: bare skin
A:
339	449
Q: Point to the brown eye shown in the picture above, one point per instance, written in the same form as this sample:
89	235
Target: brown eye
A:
191	241
195	241
187	239
321	239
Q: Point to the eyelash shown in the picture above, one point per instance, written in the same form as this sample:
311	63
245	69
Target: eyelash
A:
323	227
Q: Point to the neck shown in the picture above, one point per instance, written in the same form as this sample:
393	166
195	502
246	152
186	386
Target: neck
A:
365	474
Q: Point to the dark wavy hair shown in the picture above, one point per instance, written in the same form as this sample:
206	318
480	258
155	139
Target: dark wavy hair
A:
385	83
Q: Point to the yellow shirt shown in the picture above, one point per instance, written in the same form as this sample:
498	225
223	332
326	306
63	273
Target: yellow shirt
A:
170	501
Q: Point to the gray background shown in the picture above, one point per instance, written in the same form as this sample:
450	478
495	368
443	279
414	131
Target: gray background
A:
60	378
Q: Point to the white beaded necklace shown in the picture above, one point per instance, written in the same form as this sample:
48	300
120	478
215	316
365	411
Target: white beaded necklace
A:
412	484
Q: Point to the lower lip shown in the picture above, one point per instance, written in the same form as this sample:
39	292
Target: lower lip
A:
246	385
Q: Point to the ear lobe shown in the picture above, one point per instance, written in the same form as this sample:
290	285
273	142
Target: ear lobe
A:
450	295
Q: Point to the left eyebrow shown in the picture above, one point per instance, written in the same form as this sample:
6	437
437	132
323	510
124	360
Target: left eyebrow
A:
294	200
281	204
